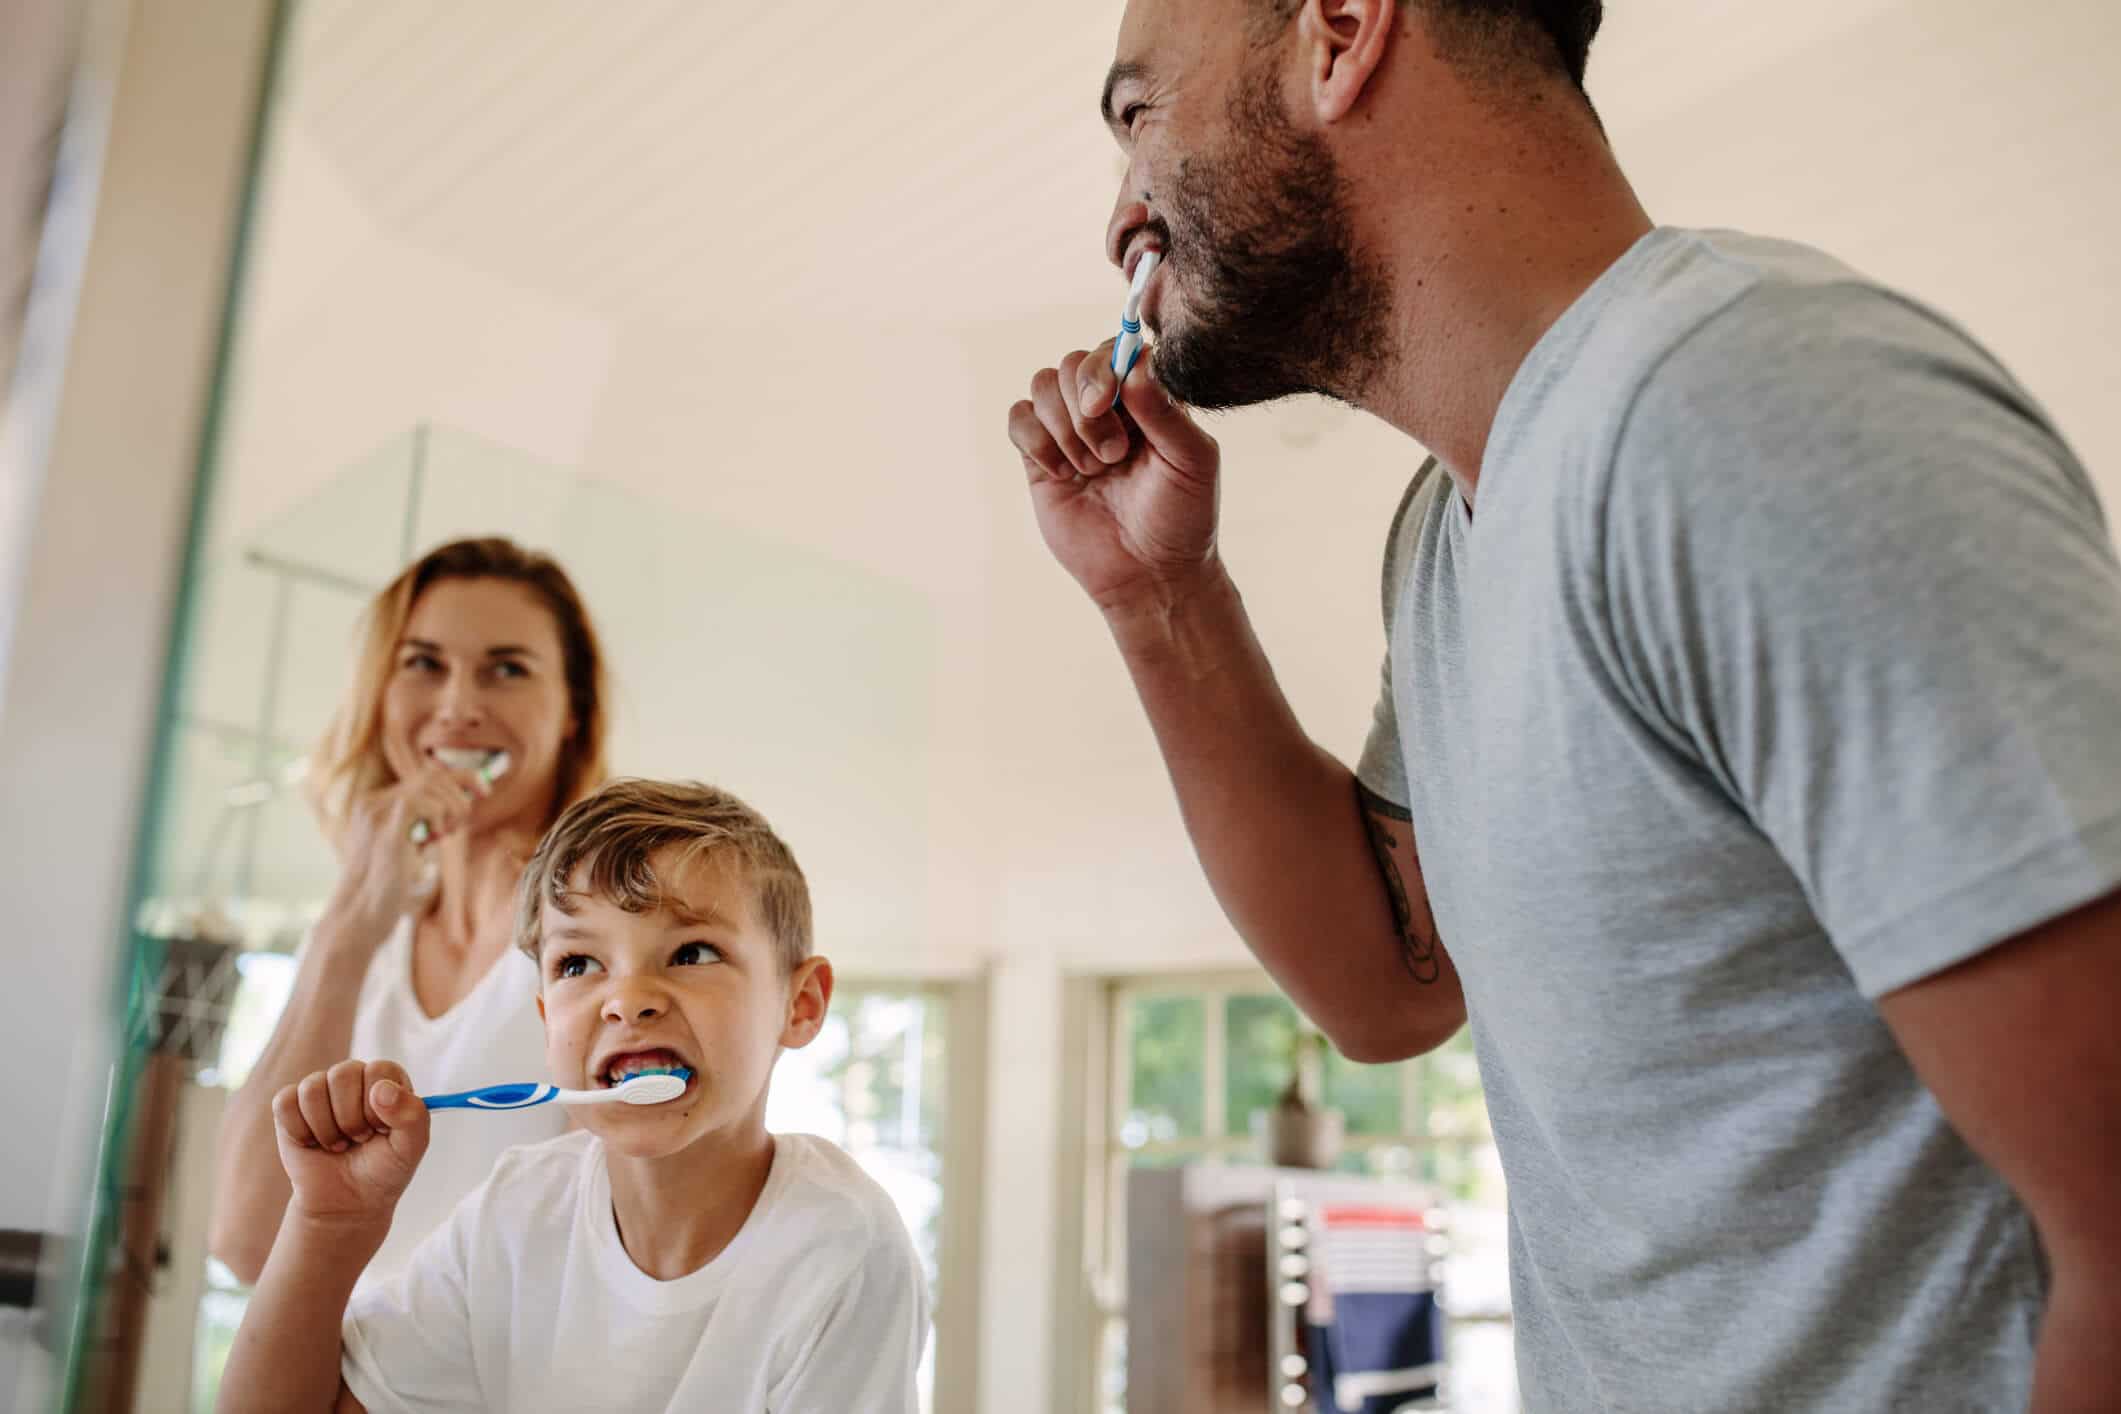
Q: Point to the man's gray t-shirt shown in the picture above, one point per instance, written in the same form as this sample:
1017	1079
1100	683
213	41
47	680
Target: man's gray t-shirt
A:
1780	667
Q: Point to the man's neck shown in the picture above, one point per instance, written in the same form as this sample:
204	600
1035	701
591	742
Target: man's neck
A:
677	1213
1479	283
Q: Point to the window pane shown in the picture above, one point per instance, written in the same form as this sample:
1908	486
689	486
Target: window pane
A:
872	1082
1165	1036
1367	1094
1259	1035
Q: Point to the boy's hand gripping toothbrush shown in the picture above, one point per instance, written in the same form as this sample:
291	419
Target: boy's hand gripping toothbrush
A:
488	766
649	1087
1128	346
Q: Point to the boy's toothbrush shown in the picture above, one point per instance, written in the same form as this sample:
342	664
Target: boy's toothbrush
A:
488	766
1128	346
650	1087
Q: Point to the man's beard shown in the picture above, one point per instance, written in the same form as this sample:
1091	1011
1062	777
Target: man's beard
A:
1278	298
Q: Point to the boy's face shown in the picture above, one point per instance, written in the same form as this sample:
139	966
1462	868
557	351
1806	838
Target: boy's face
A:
703	989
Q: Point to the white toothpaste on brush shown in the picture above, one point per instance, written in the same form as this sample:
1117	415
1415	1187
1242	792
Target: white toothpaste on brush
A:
1128	346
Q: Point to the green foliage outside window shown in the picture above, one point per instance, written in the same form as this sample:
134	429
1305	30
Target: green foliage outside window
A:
1167	1093
1166	1099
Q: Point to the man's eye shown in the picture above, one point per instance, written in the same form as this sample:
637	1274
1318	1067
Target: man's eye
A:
1128	115
695	955
574	965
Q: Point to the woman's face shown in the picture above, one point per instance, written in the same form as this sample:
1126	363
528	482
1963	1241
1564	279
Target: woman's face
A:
480	668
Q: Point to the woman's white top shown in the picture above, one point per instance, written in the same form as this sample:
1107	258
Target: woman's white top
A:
492	1037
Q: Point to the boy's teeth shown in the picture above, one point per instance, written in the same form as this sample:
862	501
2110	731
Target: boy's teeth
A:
620	1075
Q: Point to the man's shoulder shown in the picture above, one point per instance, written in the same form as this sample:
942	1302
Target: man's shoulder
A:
1797	373
1731	323
1716	301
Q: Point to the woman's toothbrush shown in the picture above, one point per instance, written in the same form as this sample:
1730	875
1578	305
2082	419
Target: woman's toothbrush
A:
1128	346
650	1087
488	766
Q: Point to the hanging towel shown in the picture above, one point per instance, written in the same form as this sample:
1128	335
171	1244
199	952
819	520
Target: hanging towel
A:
1375	1339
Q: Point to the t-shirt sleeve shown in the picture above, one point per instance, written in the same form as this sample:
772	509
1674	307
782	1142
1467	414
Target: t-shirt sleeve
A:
1382	767
866	1350
405	1344
1851	569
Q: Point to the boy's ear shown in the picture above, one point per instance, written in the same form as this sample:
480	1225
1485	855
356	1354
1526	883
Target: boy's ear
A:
809	994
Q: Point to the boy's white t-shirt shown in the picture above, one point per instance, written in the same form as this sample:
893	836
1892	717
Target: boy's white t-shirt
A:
526	1301
491	1037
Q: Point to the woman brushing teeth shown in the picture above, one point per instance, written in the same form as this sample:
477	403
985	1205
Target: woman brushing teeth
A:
476	716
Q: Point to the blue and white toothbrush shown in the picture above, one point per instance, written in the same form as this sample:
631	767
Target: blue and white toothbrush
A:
1128	346
647	1088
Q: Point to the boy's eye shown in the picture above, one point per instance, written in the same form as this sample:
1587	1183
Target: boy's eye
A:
575	965
695	955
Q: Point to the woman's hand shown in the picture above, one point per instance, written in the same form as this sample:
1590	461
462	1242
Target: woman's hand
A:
382	864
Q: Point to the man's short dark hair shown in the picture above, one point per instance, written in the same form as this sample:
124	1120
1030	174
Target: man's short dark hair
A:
1554	34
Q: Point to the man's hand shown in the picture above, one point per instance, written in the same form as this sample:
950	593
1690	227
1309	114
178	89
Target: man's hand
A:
1125	491
350	1139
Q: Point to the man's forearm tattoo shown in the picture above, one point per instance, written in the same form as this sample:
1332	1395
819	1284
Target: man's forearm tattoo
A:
1417	944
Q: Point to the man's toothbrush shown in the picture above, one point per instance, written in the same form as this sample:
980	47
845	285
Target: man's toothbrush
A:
489	767
1128	346
652	1087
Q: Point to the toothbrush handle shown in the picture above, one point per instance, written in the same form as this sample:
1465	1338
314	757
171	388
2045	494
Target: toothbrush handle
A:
1125	349
493	1097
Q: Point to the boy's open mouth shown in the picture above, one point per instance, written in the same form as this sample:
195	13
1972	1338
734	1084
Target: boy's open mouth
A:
622	1066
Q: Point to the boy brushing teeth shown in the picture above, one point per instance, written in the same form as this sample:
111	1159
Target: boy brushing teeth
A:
662	1257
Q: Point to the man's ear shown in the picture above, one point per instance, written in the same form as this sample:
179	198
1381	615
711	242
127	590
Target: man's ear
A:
809	994
1344	43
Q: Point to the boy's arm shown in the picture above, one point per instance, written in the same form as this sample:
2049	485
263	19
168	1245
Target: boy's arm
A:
286	1354
350	1139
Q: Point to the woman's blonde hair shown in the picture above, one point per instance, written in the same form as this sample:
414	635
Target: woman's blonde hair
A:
349	763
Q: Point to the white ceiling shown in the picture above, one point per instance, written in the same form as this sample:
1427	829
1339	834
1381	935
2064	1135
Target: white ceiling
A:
721	163
897	164
776	274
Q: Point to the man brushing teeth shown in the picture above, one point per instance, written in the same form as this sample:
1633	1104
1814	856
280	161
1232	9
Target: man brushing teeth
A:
671	1256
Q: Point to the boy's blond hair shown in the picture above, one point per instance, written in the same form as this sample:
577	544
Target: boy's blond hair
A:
611	840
